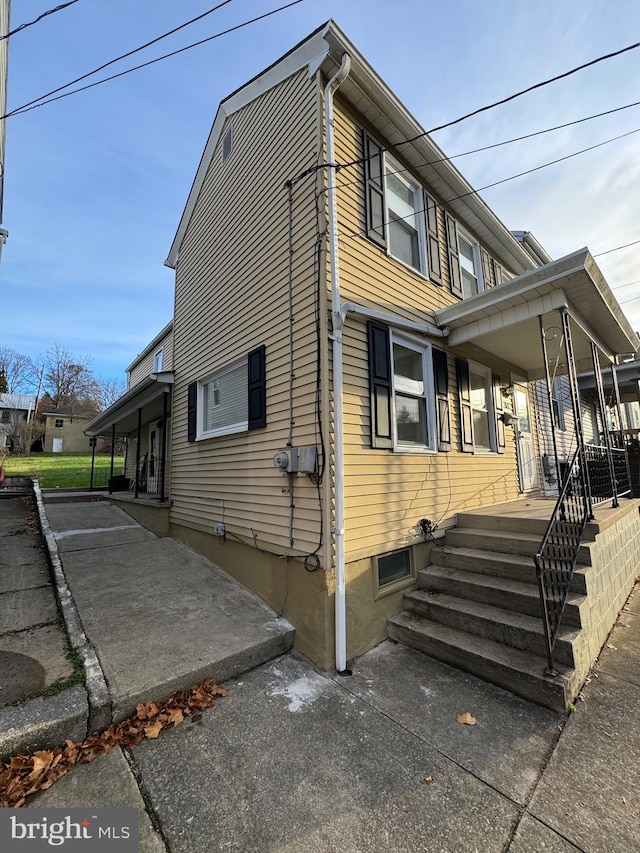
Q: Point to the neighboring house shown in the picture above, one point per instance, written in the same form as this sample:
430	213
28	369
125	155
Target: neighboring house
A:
350	348
16	410
64	432
5	14
143	416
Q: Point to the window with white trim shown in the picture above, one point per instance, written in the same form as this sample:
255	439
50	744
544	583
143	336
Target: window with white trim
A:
413	397
482	414
470	266
405	216
223	402
157	361
401	216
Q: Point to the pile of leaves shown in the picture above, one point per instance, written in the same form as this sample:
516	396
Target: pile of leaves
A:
23	775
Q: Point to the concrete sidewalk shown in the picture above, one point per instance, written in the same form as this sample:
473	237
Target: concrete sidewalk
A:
297	760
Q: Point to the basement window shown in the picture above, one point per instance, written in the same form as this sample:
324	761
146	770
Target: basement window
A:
393	571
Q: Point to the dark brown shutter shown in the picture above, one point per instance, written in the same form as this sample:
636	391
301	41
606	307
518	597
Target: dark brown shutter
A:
380	382
192	411
498	273
433	239
498	407
441	385
374	189
464	396
454	261
487	269
257	388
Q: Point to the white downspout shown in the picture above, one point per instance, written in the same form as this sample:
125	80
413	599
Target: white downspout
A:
336	337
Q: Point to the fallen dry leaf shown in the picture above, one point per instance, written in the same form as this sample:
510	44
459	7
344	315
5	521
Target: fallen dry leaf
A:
153	730
23	775
466	719
428	780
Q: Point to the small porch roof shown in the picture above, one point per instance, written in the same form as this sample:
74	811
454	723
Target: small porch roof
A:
628	375
123	414
504	321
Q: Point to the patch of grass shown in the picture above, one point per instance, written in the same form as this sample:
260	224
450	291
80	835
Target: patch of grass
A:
63	471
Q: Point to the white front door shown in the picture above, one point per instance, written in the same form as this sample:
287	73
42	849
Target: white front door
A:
153	459
57	445
527	468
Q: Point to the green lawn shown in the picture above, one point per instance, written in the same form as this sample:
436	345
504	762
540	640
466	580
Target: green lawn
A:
63	471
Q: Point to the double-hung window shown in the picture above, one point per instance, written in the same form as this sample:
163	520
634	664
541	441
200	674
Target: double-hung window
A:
157	361
481	408
401	216
470	267
405	217
413	395
408	381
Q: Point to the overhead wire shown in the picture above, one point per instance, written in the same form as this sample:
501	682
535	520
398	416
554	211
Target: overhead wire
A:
493	145
122	56
502	101
505	180
32	105
37	20
617	249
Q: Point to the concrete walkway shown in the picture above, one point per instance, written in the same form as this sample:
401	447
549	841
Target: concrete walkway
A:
296	760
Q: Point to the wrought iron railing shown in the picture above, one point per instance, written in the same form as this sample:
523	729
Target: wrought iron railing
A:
622	472
558	552
608	469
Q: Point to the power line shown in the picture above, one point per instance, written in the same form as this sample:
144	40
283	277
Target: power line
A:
503	100
494	145
628	284
122	56
626	301
21	110
617	248
511	178
39	18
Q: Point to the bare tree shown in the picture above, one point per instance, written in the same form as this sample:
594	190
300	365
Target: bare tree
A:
69	381
19	372
110	390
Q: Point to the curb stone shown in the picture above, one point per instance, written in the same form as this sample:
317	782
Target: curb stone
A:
100	711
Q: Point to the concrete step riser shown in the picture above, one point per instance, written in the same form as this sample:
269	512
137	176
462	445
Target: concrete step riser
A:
510	635
501	544
486	564
550	694
509	524
507	599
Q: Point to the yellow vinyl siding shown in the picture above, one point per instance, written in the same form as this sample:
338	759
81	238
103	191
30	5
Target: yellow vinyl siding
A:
144	367
232	296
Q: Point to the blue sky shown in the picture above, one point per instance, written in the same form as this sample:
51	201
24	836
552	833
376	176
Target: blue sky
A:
96	183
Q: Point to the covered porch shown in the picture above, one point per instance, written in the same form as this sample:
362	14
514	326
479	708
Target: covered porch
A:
142	416
525	593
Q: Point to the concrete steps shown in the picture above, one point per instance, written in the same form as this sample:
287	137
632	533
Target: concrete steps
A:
477	607
517	671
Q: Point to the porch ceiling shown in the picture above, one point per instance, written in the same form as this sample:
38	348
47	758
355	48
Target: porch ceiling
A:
146	395
504	321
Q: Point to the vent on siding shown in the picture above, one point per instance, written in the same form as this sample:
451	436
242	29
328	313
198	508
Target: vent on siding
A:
227	144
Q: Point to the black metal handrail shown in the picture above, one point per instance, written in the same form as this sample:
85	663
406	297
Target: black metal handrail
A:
558	552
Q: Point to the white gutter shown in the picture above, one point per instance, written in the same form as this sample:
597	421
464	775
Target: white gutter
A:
336	337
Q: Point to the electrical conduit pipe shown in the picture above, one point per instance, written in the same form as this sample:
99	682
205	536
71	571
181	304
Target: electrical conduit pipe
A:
336	337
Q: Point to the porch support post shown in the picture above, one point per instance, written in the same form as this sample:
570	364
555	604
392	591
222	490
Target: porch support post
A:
113	446
94	441
545	356
605	426
623	441
138	452
577	414
163	455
